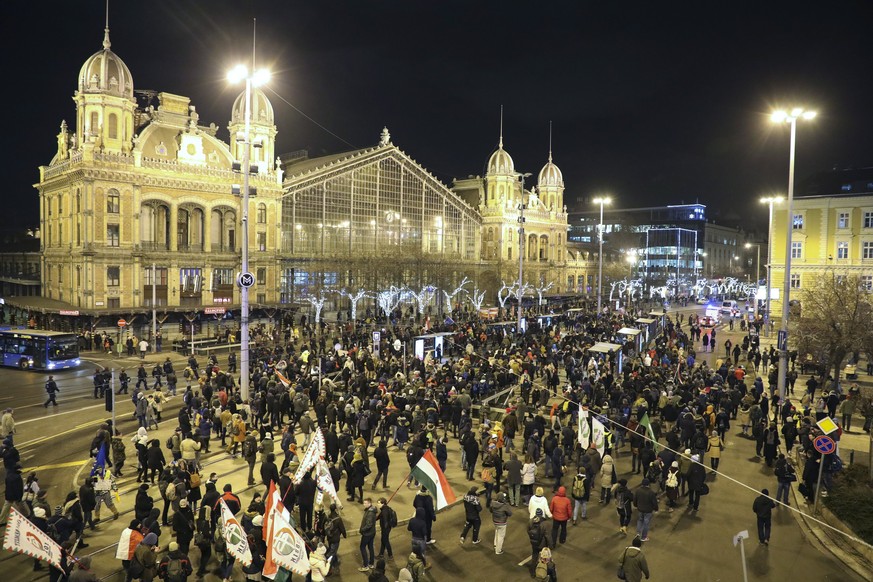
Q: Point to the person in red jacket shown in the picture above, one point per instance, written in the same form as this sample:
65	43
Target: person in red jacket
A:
562	511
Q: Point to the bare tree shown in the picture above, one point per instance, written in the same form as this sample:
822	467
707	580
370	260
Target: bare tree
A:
354	299
423	297
318	303
509	290
390	299
476	299
450	296
541	289
835	319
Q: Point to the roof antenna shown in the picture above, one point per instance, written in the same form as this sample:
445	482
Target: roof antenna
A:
254	38
106	43
501	124
550	140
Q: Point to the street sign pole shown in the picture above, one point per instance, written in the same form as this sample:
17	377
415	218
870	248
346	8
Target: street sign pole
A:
818	483
738	539
112	389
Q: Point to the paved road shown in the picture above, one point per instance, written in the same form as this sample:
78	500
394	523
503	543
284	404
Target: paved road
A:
690	546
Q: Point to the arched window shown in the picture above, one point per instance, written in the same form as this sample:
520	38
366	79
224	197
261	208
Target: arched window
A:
544	248
113	126
262	213
95	122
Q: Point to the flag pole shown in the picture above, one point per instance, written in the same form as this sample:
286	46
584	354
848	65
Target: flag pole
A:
406	480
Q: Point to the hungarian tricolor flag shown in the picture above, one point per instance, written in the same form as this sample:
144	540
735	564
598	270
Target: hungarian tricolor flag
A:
427	472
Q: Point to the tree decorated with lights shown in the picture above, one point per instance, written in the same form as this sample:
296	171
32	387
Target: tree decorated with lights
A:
450	296
476	298
354	299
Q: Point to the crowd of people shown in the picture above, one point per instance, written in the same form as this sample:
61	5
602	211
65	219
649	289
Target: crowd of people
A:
670	411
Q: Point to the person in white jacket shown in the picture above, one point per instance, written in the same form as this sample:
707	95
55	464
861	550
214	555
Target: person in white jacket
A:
320	566
538	501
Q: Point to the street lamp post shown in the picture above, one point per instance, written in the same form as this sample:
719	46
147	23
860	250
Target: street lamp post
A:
769	201
521	242
791	118
602	200
257	78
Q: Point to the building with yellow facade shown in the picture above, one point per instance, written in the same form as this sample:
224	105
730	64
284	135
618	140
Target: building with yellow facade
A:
829	233
138	208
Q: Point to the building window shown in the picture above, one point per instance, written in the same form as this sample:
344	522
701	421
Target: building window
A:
113	126
113	202
795	281
262	241
261	298
113	276
867	282
867	250
843	220
113	302
841	280
221	277
868	220
112	235
60	274
261	275
262	213
842	250
797	222
796	250
509	253
60	205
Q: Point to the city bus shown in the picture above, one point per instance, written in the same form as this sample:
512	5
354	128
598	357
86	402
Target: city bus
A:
32	349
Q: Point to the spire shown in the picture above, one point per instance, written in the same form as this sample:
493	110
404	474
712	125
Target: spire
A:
550	141
106	43
254	42
501	123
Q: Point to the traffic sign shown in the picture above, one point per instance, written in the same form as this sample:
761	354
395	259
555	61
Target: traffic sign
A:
122	323
215	311
824	444
827	425
245	280
782	341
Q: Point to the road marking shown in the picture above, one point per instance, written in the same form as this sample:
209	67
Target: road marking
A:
51	436
61	413
525	561
55	466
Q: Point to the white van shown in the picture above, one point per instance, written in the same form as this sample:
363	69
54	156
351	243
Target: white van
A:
729	308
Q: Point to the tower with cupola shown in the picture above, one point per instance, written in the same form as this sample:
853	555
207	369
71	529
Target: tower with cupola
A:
262	130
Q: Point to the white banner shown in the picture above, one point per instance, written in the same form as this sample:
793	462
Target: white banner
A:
235	537
598	433
325	482
289	550
314	451
584	430
25	538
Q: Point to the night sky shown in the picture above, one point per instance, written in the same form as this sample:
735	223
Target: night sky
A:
652	102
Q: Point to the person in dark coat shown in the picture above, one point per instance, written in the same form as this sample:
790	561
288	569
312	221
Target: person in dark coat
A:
143	503
269	471
88	501
696	480
305	492
14	494
425	501
156	460
356	478
763	508
382	463
183	525
472	519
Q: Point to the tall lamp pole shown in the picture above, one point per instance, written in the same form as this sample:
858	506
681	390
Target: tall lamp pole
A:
256	78
769	201
602	200
791	118
521	242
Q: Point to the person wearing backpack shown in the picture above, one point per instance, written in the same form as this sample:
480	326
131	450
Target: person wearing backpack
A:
785	476
334	529
143	565
581	493
561	509
175	567
623	504
387	522
538	536
545	570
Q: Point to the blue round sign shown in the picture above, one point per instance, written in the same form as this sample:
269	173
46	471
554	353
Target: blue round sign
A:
824	444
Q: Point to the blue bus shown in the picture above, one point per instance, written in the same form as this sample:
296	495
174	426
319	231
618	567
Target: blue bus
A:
32	349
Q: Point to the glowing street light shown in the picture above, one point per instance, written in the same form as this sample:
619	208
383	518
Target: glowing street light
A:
602	200
791	118
235	75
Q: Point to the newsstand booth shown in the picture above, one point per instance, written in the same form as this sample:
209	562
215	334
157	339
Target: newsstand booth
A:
631	335
605	348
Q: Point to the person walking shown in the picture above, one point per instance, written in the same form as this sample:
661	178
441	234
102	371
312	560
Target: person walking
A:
14	494
646	502
472	509
633	562
696	482
763	508
713	449
513	469
538	537
334	530
562	510
368	535
538	501
418	528
581	493
382	463
500	514
175	566
623	504
785	476
51	388
387	522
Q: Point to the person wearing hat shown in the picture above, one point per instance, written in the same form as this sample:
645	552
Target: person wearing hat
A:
500	514
130	538
696	482
82	571
51	388
266	446
671	485
183	525
38	518
472	509
633	563
175	566
538	501
319	564
404	575
144	563
538	536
